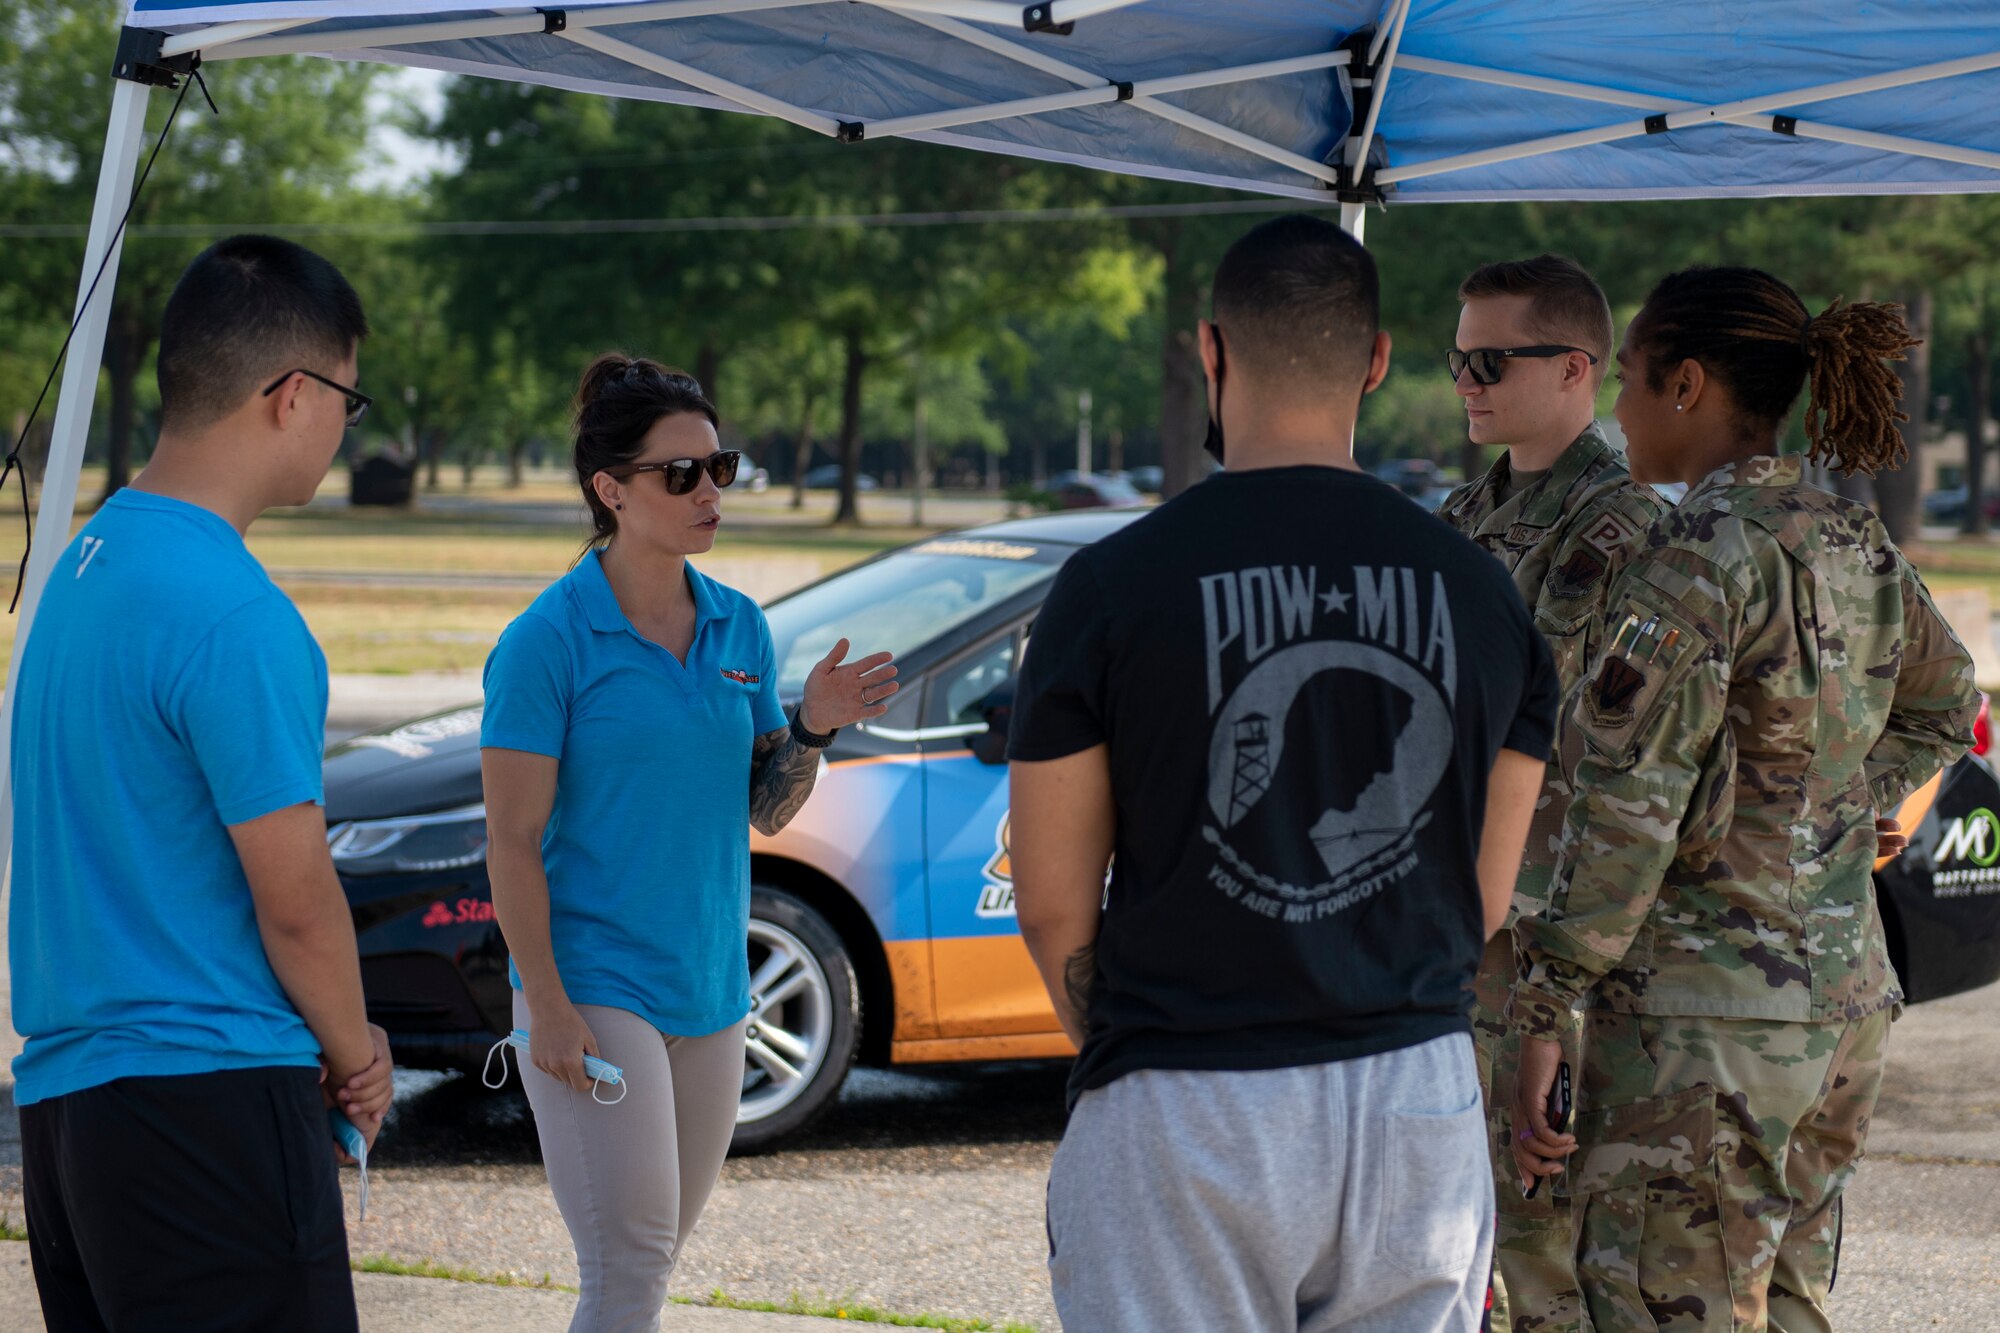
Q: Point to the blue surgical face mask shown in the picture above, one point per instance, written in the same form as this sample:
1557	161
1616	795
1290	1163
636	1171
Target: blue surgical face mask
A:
600	1071
356	1146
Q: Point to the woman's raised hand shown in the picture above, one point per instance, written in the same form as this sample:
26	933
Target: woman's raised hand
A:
838	695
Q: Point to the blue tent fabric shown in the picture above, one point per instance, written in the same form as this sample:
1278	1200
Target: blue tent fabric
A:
865	62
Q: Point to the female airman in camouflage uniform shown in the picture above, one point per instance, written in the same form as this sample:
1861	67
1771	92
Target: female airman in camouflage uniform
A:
1774	676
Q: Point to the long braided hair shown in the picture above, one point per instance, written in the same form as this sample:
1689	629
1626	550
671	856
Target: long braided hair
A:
1753	333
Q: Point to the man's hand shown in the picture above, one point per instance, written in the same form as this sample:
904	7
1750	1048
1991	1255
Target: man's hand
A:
365	1097
1538	1149
1890	840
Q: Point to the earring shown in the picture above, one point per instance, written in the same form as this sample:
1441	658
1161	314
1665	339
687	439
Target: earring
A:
1678	407
622	506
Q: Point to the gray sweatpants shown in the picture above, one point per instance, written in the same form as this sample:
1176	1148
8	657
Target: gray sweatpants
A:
630	1179
1352	1196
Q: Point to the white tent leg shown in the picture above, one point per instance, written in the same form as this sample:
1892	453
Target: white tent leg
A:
1354	219
124	138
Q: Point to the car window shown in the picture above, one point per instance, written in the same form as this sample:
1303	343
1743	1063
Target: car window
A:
904	601
963	685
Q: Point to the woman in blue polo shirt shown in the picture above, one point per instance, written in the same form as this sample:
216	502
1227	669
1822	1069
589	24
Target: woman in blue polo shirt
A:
632	736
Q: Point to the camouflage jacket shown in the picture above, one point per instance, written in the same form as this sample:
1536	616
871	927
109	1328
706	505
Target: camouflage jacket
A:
1563	539
1773	675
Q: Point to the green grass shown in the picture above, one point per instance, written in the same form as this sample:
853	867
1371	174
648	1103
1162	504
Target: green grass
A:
853	1311
9	1231
382	1263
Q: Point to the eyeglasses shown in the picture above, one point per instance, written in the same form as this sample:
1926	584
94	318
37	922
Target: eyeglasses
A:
683	474
1486	362
358	402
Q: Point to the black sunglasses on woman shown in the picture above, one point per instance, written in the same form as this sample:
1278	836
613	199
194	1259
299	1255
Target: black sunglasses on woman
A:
683	474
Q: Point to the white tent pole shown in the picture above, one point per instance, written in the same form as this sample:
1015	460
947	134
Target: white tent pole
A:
1003	14
1719	113
1383	68
1048	64
1400	9
708	83
124	138
1354	220
223	34
1029	106
412	34
1804	129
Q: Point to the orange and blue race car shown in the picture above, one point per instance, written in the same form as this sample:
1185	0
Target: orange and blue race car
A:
882	924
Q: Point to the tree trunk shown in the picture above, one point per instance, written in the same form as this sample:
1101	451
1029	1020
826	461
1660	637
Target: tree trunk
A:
1183	391
708	368
433	445
849	510
802	451
124	349
920	463
1978	370
1897	492
516	459
1114	449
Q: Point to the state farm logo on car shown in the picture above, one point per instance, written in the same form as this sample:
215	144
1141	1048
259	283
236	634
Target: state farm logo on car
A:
1970	847
996	899
462	912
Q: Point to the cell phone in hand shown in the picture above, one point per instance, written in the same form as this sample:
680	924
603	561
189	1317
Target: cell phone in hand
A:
1558	1110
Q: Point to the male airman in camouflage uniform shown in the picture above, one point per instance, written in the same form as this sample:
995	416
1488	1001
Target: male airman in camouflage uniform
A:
1559	510
1773	675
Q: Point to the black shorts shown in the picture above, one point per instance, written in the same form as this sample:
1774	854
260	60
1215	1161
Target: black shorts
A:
191	1202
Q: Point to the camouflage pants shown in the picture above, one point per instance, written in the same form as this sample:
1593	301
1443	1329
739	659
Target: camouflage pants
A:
1714	1152
1534	1281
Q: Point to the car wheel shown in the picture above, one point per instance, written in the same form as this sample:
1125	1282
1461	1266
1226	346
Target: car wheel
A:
805	1020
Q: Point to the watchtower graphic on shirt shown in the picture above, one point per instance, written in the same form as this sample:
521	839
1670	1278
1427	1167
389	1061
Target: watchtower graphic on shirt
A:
1330	703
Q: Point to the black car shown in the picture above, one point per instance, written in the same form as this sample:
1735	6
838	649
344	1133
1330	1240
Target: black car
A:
882	922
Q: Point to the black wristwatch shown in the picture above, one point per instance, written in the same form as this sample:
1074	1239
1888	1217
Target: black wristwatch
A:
812	740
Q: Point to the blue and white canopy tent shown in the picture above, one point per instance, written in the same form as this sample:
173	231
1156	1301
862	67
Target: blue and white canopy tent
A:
1354	102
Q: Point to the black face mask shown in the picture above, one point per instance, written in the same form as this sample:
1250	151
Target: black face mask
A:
1213	443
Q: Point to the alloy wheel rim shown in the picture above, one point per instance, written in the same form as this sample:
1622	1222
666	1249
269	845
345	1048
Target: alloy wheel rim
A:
791	1022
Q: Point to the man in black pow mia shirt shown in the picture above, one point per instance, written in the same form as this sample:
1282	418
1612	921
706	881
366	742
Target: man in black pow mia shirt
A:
1309	720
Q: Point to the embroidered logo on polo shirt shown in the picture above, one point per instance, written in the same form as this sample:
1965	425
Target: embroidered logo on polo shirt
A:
741	677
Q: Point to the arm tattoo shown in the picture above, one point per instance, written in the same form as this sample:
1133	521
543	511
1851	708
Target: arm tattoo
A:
1079	974
782	773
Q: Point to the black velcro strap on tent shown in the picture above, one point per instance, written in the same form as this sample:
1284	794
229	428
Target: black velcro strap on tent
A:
1657	124
1124	90
1041	18
1788	125
553	20
850	131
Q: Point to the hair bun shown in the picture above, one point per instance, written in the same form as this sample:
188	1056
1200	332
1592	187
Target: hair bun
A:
600	374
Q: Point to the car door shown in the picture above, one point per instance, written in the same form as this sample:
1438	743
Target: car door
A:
985	983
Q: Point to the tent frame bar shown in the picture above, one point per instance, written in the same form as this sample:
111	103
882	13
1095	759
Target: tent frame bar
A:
1804	129
816	121
124	142
1714	114
1107	92
1083	78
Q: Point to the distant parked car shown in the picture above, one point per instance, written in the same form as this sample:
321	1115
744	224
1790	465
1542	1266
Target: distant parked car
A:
1414	477
1948	505
752	478
827	478
1149	480
1093	490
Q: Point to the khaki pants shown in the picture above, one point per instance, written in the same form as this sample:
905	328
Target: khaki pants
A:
1534	1279
1713	1156
631	1178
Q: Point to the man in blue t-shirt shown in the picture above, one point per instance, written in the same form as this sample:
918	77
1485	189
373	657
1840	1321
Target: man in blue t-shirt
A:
184	967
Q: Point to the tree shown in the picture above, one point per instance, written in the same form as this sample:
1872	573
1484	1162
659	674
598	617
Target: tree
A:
286	148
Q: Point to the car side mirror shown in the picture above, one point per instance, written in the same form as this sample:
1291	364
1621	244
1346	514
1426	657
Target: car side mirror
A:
997	708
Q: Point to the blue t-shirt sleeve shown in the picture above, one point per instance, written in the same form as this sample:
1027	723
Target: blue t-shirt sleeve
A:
767	714
251	705
527	689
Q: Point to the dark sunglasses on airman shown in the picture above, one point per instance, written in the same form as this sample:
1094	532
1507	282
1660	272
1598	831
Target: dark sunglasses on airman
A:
1487	362
357	401
684	474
